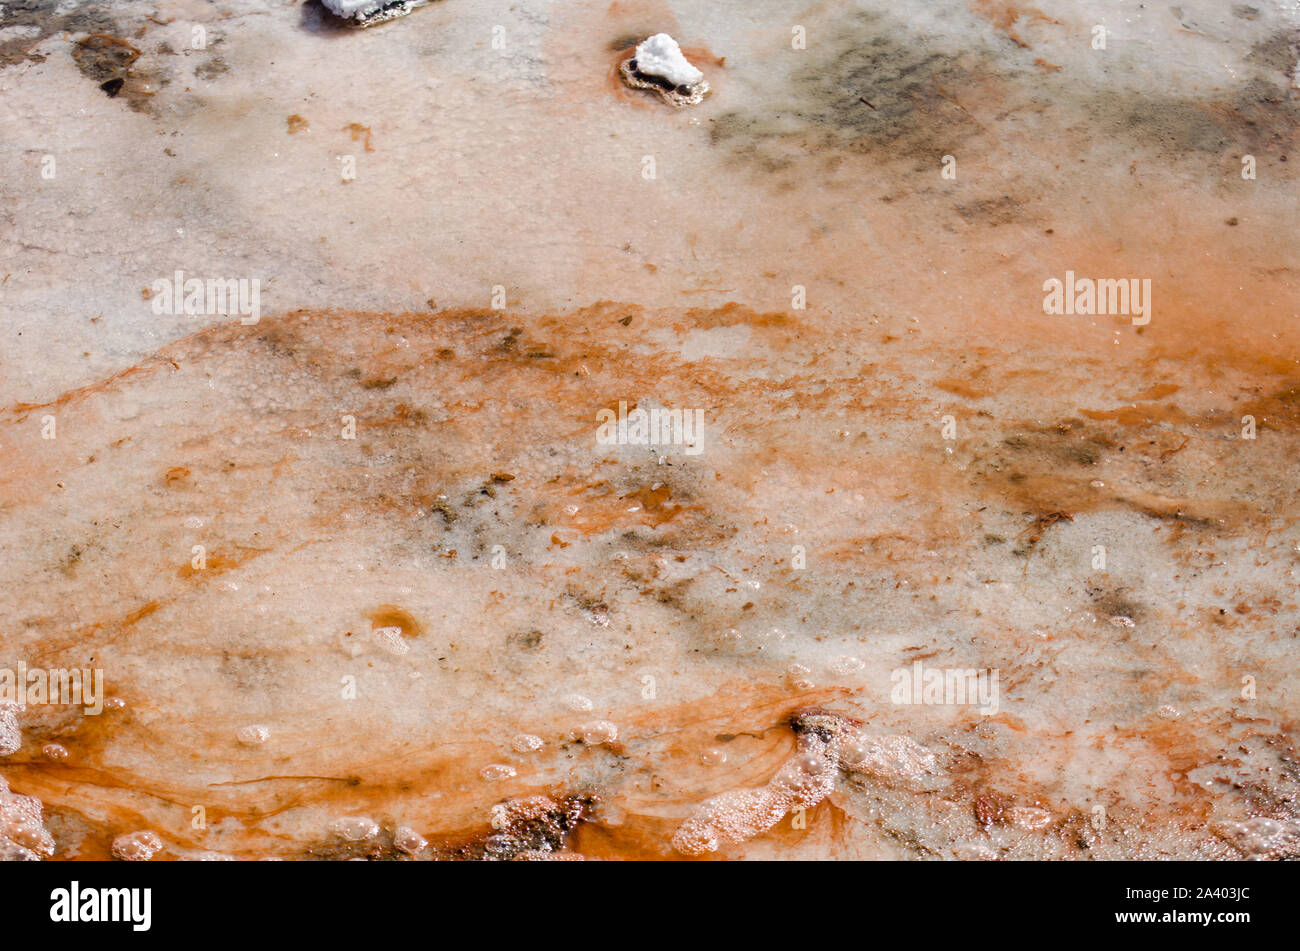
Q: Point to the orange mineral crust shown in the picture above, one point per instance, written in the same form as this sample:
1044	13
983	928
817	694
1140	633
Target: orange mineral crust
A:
887	455
397	543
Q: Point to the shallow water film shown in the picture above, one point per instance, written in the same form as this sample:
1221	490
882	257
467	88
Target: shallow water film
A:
460	432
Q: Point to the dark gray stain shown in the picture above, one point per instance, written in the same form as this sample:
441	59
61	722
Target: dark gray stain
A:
875	87
43	15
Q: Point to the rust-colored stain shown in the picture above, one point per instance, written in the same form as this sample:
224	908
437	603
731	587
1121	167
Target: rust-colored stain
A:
1007	15
390	615
907	460
360	133
417	503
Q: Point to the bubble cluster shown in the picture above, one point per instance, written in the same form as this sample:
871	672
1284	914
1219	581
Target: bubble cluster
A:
11	737
253	735
407	840
354	828
887	757
138	846
804	780
1029	817
390	639
1264	838
828	745
843	666
528	825
799	677
527	743
23	836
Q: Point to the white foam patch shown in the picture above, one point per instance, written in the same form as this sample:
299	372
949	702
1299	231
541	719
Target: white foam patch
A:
23	836
804	780
11	737
138	846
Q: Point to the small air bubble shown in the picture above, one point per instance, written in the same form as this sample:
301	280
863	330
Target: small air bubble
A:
713	757
810	763
497	772
53	751
598	732
854	753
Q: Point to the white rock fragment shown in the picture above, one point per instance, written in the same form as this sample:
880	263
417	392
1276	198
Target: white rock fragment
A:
660	56
370	12
658	66
349	8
